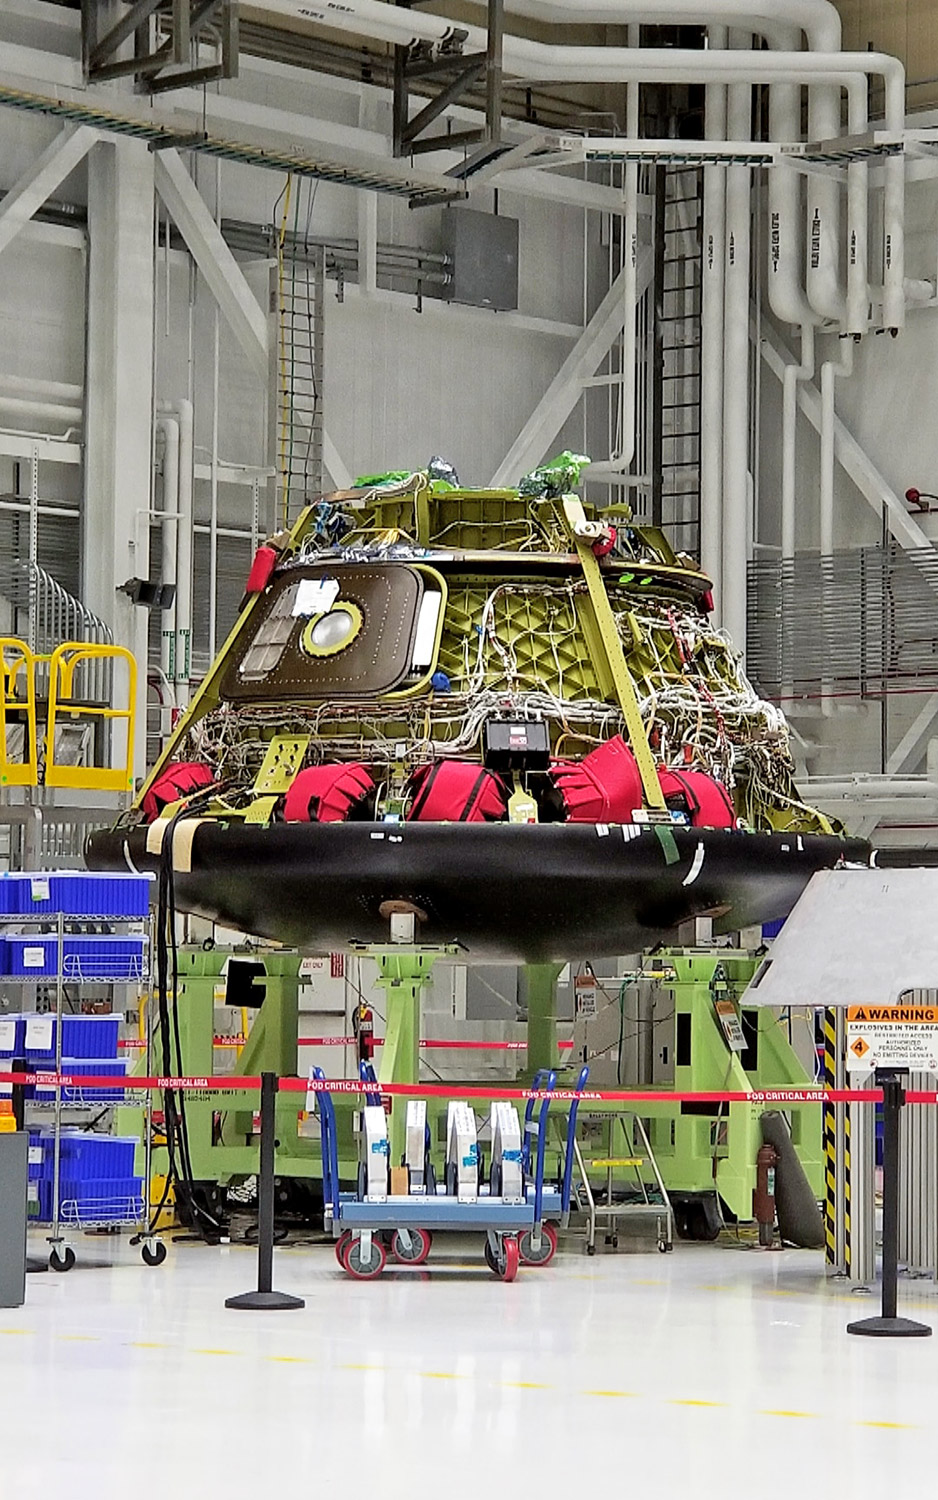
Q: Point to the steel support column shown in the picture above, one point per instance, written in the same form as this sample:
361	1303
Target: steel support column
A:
119	401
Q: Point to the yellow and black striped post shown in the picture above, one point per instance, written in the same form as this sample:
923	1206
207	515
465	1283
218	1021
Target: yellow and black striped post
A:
830	1144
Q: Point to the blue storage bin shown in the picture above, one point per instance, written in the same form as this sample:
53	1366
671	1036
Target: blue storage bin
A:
12	1037
117	959
86	1156
120	960
75	893
40	1155
81	1067
32	956
82	1036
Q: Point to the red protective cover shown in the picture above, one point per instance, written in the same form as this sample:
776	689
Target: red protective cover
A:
265	560
708	802
326	794
604	787
456	791
178	780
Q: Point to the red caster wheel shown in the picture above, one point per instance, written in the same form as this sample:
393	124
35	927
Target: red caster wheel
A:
546	1251
362	1267
410	1247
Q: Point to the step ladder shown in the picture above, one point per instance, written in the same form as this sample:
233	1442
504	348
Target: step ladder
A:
678	306
299	286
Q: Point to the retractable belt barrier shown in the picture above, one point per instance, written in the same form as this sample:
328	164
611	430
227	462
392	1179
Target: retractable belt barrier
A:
442	1043
227	1083
268	1085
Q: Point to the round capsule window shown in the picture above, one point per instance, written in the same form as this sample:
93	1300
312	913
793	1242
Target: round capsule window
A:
328	634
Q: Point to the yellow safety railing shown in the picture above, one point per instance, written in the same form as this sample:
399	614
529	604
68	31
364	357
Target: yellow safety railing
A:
16	657
63	664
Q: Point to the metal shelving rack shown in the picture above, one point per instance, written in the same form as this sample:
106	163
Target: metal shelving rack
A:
126	1212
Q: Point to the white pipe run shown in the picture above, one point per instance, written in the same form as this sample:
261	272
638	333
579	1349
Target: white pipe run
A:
183	411
711	345
627	403
830	370
793	375
542	62
169	541
736	295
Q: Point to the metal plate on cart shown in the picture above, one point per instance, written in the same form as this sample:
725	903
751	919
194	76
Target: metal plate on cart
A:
892	1036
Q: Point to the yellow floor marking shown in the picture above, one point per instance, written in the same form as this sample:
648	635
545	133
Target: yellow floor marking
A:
216	1351
363	1367
609	1393
636	1282
139	1345
697	1403
898	1426
16	1330
440	1375
289	1359
810	1415
80	1338
526	1385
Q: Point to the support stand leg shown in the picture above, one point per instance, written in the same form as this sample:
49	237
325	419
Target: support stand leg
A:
265	1298
888	1325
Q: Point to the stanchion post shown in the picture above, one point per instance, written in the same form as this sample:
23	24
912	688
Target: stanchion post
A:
888	1325
265	1298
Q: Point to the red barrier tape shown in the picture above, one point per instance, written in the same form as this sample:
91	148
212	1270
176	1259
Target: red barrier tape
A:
443	1043
227	1084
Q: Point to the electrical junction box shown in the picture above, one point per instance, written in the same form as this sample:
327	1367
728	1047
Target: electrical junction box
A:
483	253
516	745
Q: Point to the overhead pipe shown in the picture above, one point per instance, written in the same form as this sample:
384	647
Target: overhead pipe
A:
830	370
713	271
540	62
736	298
169	541
183	411
625	453
794	375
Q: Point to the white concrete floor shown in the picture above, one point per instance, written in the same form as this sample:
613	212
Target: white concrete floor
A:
712	1370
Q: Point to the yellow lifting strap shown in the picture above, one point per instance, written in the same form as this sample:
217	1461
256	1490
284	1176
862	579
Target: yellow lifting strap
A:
16	657
63	664
579	529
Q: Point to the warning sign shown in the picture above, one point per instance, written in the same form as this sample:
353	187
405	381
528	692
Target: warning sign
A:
732	1028
584	991
892	1036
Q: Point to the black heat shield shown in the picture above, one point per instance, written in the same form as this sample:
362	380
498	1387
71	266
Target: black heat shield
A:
528	893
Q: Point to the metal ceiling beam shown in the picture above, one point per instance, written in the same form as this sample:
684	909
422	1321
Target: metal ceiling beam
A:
224	277
50	169
172	65
566	388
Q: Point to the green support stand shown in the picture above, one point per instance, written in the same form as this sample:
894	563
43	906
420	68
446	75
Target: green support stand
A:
539	994
404	971
702	1147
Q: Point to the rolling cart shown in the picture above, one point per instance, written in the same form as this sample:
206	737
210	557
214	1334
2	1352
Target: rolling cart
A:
368	1226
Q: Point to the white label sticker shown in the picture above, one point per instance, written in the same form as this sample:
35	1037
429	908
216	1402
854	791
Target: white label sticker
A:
39	889
315	596
34	958
7	1036
39	1033
35	1155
